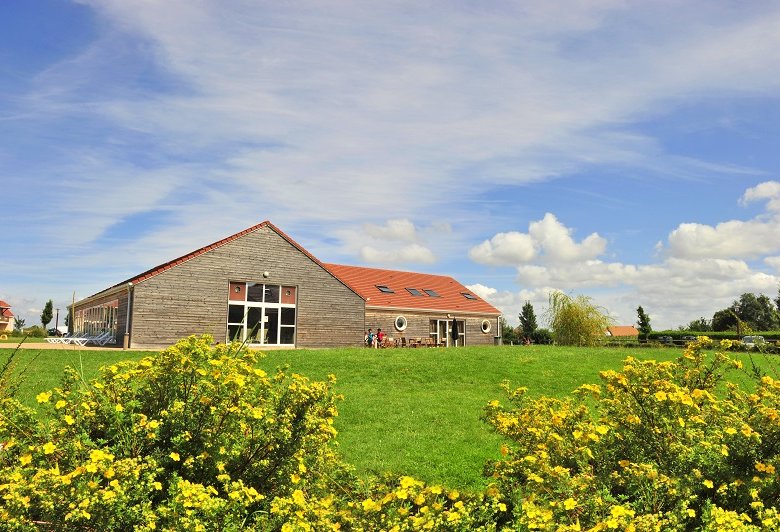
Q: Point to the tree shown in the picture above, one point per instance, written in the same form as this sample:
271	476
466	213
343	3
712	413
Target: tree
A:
777	299
700	325
643	320
18	324
724	320
48	313
754	312
576	321
508	333
528	320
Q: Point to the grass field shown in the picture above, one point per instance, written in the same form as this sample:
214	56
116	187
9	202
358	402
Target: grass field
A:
412	411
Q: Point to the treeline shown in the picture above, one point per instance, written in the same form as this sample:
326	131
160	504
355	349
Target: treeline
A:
749	313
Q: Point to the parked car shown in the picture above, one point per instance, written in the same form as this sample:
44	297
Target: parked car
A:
752	341
689	338
666	340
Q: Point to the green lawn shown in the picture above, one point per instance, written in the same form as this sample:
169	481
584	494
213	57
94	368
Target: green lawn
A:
415	411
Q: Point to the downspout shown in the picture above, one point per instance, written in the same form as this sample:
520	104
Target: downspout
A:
126	343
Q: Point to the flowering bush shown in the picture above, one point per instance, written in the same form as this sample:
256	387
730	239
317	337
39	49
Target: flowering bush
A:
651	448
195	436
198	438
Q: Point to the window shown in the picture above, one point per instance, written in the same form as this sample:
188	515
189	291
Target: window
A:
266	317
414	292
485	326
97	320
430	292
468	296
400	323
385	289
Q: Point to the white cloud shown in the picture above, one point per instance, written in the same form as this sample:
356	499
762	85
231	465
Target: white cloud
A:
773	262
547	240
482	291
413	253
705	267
734	238
505	249
400	230
768	190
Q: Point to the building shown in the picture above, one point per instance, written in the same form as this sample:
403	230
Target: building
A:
623	332
260	286
418	305
6	318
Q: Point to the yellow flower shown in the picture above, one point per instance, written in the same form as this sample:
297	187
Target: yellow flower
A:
299	498
157	486
60	404
48	448
660	395
708	483
25	459
691	512
569	504
119	408
43	397
175	457
69	419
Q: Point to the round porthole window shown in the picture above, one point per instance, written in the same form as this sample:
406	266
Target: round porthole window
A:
485	326
400	323
237	289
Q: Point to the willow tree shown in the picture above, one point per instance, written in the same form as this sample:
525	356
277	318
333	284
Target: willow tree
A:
576	320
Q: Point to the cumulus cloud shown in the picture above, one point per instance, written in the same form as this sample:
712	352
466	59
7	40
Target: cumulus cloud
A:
547	240
400	230
704	268
734	238
505	249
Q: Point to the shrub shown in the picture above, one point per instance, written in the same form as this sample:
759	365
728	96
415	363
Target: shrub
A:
195	436
656	450
36	331
542	336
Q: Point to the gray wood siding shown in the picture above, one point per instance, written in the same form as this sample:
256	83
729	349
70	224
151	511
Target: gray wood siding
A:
192	297
419	324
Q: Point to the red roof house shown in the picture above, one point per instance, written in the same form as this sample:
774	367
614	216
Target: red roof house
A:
622	331
6	317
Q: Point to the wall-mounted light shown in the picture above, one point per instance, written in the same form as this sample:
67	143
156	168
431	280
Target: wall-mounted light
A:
266	275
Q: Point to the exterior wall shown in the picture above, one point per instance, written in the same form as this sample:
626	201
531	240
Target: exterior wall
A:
192	297
6	325
121	312
419	324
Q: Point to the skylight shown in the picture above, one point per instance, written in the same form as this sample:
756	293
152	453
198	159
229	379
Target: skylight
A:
468	296
414	292
385	289
430	292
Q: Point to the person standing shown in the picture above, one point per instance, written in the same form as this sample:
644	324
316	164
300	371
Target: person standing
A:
380	337
369	338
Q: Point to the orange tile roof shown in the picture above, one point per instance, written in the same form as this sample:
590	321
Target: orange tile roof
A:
623	330
364	281
5	310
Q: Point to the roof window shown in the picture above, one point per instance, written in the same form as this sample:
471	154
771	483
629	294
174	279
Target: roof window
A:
385	289
414	292
430	292
468	296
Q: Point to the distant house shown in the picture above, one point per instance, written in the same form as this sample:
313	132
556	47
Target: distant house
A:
623	332
6	318
261	287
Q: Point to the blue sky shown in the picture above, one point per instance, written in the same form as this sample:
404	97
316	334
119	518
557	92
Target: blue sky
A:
622	150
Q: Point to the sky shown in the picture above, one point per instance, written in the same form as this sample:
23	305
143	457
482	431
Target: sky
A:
626	151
